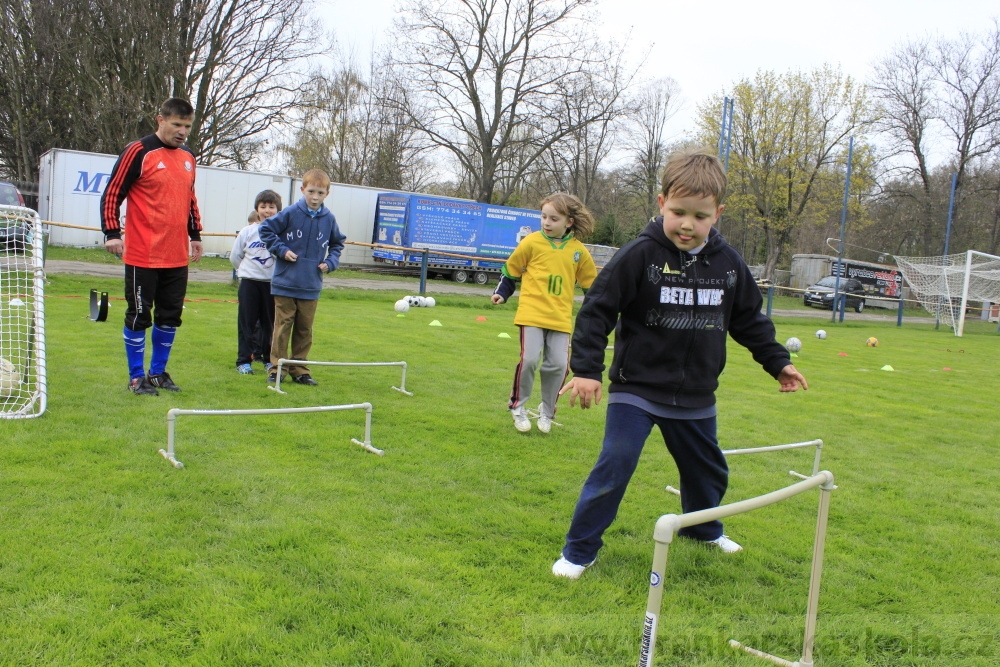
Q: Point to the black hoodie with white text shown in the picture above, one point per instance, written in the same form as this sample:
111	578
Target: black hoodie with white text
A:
671	312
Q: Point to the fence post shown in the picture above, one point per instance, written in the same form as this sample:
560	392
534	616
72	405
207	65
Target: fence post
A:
770	299
899	315
423	273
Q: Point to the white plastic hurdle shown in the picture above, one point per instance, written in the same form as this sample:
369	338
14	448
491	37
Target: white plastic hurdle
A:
277	382
667	527
818	444
172	415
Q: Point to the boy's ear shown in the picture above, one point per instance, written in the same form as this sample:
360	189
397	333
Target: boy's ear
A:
718	213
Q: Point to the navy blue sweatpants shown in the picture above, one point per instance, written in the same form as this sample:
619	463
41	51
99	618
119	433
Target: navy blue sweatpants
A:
704	475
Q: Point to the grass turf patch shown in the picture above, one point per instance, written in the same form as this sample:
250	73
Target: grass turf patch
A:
283	543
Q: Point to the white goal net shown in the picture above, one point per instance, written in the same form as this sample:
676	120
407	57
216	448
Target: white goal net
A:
22	314
945	285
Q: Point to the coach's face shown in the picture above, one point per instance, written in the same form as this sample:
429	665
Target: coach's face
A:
173	130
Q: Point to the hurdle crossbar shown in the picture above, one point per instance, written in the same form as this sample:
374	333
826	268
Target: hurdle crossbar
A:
289	362
170	455
668	525
818	444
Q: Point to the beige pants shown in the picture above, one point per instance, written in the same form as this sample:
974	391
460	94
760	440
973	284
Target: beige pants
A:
293	318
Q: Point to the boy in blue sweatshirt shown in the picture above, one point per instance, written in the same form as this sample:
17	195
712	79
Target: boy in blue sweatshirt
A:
306	244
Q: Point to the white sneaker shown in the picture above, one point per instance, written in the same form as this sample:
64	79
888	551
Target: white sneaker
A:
521	421
725	544
544	421
564	568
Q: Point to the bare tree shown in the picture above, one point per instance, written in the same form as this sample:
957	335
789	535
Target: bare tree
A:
90	74
943	92
241	72
645	142
573	164
352	126
487	80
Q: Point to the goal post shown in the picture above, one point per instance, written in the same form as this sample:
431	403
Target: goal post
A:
22	314
945	285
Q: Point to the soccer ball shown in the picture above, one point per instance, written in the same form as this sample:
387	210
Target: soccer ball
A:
430	302
402	306
793	344
421	301
821	334
10	378
414	301
872	342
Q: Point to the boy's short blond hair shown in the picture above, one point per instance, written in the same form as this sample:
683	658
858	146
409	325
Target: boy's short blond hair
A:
253	217
316	177
694	173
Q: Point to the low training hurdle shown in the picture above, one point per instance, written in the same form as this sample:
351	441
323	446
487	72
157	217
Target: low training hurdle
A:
174	413
667	527
277	382
818	444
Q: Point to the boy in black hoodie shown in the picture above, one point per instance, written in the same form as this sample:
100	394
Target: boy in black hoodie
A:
671	295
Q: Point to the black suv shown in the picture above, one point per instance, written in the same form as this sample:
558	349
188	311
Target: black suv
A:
821	294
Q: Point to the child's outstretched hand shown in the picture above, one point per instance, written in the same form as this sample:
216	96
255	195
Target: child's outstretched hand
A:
496	299
791	379
588	391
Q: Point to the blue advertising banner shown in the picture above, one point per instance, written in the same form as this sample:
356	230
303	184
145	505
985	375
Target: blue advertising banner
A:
453	226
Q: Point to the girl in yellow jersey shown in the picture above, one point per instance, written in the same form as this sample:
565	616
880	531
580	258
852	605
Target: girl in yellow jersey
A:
549	263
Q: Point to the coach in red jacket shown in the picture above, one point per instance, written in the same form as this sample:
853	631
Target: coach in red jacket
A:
162	228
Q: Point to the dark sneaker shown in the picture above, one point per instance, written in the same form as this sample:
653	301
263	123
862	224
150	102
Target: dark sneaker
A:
142	387
272	378
163	381
305	378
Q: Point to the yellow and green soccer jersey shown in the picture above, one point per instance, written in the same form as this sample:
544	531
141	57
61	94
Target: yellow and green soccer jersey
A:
549	271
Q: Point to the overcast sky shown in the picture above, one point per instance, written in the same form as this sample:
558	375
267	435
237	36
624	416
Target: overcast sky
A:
706	46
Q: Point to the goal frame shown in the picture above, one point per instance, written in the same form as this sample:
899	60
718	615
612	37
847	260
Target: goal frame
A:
34	400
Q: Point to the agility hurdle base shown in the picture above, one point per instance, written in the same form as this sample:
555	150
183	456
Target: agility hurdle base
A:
302	362
667	527
170	454
818	444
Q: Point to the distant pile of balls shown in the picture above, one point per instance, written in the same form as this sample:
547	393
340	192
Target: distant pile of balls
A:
404	304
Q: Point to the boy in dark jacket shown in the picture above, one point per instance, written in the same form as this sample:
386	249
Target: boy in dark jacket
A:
671	295
306	243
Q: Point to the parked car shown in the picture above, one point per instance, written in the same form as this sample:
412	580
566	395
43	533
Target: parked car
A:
9	195
821	294
13	237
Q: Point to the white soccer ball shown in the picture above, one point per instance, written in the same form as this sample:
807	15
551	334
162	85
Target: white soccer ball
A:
821	334
430	302
421	301
414	301
793	344
402	306
10	378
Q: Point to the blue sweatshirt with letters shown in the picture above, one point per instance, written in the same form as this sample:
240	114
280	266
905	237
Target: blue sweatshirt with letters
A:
314	237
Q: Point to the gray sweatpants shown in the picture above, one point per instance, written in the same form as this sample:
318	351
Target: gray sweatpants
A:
547	348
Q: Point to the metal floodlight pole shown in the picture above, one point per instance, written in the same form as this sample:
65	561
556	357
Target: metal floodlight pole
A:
947	238
843	226
729	133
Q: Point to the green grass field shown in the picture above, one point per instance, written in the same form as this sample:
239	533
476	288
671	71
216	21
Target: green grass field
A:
281	543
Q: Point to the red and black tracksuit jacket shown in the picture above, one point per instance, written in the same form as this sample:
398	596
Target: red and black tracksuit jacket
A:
162	212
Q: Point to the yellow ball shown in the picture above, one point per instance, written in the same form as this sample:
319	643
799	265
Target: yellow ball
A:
872	342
